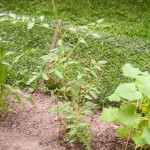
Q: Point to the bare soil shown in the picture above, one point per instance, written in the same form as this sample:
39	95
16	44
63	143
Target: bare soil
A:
37	129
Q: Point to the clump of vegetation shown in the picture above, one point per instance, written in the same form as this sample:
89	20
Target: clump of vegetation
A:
78	80
6	89
133	115
72	123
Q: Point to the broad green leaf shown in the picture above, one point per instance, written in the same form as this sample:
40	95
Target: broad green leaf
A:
130	71
109	114
59	74
127	115
146	135
138	140
143	84
128	91
114	97
123	132
30	25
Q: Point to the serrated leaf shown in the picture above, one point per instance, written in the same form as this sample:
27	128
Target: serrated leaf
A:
109	114
123	132
128	91
30	25
59	74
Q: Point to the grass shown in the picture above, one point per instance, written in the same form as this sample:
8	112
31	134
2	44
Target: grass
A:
125	35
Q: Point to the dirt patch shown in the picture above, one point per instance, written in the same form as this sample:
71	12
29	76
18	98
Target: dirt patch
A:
37	129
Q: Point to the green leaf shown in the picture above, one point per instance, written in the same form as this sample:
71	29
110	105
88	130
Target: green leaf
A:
84	124
94	73
33	78
102	62
44	76
90	104
93	94
143	84
109	114
30	25
9	53
114	97
79	76
128	91
74	93
88	97
138	140
127	115
58	74
146	135
123	132
46	25
82	41
130	71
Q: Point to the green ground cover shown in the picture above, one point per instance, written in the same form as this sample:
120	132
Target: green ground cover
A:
124	36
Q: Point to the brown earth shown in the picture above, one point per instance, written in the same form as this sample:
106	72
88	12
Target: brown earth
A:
37	129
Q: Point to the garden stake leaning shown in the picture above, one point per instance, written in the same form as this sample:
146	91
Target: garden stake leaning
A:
54	40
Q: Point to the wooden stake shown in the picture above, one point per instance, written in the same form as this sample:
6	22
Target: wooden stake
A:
54	40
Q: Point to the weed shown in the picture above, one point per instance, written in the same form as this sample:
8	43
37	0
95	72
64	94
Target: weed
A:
71	116
6	89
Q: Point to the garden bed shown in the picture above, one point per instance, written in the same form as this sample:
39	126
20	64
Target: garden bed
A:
37	129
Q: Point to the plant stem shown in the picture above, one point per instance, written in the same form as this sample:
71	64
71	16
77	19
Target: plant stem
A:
127	140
